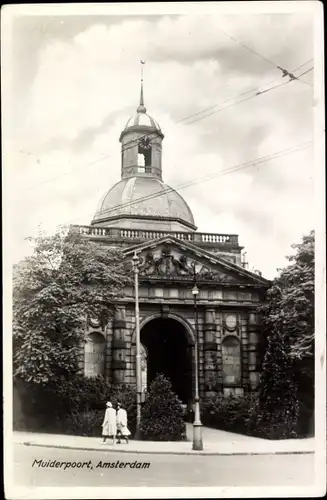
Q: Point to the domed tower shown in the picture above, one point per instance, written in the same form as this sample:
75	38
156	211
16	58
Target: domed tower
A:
140	200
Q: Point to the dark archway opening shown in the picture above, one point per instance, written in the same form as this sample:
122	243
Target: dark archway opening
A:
169	352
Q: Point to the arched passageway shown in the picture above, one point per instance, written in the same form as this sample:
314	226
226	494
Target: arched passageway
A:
168	351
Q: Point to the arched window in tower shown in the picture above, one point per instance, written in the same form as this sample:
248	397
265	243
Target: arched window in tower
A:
231	357
144	155
94	357
140	162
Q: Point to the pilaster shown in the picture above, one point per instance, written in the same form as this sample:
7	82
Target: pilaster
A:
119	347
253	332
244	350
210	351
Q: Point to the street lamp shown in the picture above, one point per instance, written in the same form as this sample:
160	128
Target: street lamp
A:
197	426
136	262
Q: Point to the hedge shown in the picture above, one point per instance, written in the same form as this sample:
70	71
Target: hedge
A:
230	413
77	402
245	415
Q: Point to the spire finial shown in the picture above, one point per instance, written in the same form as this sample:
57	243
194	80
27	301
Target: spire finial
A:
141	108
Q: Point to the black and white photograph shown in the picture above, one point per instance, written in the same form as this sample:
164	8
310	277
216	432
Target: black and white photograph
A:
164	241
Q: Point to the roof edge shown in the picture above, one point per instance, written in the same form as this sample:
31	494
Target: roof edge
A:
187	245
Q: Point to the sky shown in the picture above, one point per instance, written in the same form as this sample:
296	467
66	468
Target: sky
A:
75	81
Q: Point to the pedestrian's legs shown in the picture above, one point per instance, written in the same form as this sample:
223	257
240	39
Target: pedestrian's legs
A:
104	439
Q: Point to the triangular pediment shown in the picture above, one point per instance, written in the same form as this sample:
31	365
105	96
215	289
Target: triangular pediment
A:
171	258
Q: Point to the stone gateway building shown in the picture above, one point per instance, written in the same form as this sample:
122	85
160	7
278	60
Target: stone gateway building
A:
143	215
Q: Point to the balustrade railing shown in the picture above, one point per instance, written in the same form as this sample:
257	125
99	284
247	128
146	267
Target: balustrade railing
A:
138	234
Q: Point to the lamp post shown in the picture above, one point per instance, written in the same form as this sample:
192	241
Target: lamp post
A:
197	425
136	262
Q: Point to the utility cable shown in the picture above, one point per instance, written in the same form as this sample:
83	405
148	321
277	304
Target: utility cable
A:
152	134
246	47
248	164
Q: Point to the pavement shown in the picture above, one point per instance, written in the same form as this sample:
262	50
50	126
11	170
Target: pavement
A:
215	442
134	473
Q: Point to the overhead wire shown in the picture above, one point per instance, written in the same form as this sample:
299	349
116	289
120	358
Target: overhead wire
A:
149	135
255	89
248	164
307	71
258	54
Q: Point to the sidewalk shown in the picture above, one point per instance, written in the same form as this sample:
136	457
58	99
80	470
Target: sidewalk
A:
215	442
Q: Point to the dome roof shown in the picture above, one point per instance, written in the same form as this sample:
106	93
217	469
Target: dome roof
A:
158	200
142	120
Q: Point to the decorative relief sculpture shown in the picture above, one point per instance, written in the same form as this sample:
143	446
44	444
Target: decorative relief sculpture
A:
95	322
231	322
209	274
167	265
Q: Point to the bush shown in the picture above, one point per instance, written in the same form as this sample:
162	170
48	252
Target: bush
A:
81	394
62	398
49	408
230	413
251	416
162	413
277	418
87	423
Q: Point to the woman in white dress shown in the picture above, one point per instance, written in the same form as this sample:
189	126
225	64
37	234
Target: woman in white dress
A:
109	426
122	429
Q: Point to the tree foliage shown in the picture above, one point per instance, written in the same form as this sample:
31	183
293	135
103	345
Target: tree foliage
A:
288	319
290	303
277	410
162	413
67	279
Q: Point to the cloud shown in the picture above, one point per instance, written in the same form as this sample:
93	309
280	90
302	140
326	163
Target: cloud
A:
83	84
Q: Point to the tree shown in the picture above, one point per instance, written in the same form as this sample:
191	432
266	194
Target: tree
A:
288	321
277	408
67	279
162	413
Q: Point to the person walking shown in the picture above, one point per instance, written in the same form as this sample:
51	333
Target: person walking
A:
109	426
122	429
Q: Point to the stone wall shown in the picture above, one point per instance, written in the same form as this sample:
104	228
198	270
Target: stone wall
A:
215	324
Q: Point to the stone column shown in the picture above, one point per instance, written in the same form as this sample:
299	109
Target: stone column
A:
119	346
200	353
130	375
210	351
253	332
244	350
219	356
109	329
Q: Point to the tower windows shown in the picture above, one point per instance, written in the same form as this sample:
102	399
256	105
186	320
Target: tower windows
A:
144	156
